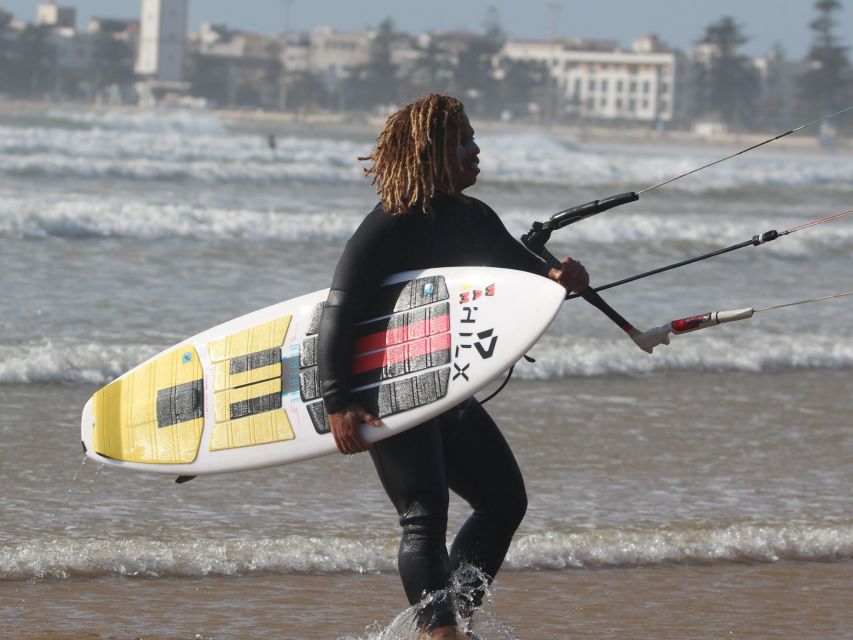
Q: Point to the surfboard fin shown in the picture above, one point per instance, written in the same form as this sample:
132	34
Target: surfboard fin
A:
183	479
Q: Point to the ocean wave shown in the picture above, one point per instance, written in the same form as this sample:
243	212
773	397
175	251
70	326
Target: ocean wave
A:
692	232
553	550
537	157
145	557
113	218
558	358
95	363
682	544
307	218
186	121
132	147
174	156
88	363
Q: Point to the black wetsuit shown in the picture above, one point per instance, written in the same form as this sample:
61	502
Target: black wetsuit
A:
461	449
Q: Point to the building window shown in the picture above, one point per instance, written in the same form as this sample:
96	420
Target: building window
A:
647	86
632	105
591	85
603	102
619	104
620	85
604	85
645	104
632	87
578	84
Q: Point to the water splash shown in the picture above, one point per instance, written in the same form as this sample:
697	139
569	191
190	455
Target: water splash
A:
472	596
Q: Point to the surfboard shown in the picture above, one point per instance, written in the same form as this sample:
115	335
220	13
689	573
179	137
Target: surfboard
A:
246	393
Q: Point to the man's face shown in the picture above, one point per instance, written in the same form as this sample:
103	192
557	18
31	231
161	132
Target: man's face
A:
468	152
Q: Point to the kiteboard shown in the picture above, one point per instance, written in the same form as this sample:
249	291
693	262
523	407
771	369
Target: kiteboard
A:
246	394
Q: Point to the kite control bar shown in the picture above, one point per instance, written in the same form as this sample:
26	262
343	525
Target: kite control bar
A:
540	232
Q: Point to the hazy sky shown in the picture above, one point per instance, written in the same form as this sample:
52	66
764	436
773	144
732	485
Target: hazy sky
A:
679	22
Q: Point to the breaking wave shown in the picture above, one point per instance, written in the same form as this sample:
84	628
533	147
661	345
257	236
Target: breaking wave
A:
156	121
553	550
746	352
196	147
114	218
94	363
175	156
77	363
305	218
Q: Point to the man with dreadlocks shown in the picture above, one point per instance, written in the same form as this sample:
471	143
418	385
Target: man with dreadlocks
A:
424	159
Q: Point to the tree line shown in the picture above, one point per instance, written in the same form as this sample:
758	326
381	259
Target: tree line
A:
726	83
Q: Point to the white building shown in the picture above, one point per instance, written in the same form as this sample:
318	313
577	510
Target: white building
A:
52	15
162	35
332	52
597	80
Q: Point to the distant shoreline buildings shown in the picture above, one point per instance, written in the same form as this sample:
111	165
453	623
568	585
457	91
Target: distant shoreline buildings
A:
597	79
155	59
162	39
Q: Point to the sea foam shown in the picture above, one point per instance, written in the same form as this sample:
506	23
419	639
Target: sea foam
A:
88	363
140	148
78	217
553	550
94	363
558	358
303	217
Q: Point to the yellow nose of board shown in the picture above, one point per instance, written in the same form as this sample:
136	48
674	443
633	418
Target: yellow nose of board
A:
153	414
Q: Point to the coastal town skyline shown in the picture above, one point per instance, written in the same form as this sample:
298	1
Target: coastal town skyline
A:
762	22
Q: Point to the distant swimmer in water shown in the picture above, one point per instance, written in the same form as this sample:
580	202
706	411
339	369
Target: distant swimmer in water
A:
272	143
424	159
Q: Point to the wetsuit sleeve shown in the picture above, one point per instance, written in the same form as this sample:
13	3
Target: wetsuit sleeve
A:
508	252
362	266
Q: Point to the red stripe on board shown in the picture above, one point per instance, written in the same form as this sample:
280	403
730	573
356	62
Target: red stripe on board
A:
400	353
383	339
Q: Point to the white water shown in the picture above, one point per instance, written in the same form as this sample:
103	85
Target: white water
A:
552	550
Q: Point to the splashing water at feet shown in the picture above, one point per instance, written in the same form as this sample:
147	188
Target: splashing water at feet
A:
473	598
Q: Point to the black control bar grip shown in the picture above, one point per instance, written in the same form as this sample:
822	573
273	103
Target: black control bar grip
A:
578	213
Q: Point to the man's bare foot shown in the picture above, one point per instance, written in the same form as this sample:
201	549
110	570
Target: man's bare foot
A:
447	632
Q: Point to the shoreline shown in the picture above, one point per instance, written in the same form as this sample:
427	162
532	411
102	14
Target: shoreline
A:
360	124
780	599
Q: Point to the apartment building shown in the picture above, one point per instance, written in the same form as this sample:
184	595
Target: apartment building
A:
52	15
162	39
595	79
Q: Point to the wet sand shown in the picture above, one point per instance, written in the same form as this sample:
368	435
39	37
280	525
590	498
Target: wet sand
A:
750	600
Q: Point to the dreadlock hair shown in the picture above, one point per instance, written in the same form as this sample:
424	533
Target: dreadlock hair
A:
417	152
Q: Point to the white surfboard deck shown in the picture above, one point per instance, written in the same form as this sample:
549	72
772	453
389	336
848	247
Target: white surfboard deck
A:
245	394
